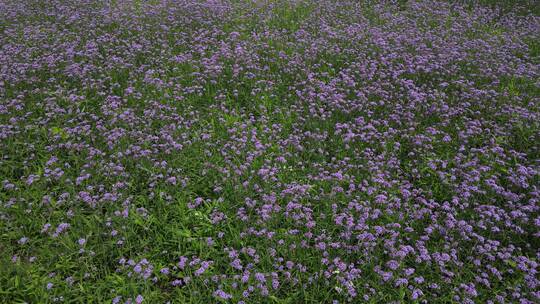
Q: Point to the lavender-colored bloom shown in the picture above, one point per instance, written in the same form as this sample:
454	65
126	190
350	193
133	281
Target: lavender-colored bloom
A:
260	277
62	227
182	262
204	266
222	294
237	264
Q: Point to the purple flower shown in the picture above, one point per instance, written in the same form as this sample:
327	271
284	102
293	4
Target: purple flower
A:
237	264
204	266
60	229
222	294
182	262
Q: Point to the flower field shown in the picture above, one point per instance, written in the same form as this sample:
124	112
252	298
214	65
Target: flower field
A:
286	151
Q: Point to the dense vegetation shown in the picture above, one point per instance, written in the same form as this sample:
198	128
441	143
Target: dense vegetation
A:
269	151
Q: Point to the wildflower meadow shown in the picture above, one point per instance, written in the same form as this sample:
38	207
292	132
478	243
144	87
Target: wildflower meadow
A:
269	151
